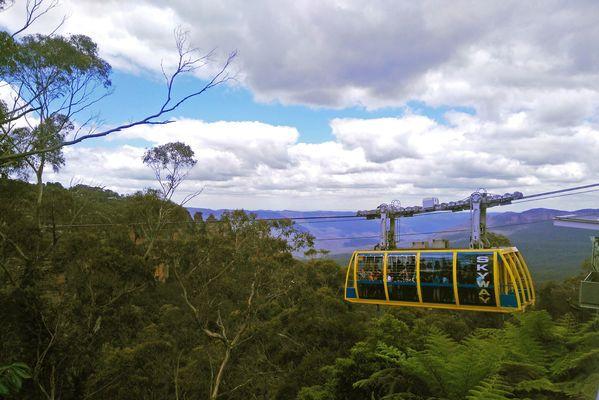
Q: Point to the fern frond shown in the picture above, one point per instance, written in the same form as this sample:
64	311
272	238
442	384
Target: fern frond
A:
537	385
492	388
580	361
514	371
391	354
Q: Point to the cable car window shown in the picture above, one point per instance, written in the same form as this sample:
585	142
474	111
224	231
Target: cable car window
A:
475	278
370	276
436	277
521	276
507	293
350	290
401	277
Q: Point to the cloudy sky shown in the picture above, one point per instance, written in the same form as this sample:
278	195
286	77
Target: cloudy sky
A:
342	105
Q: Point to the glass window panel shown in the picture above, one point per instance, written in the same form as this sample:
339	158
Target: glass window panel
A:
370	276
401	277
475	278
350	291
436	277
350	276
525	296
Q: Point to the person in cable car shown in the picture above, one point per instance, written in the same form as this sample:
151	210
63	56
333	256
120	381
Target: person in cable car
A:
390	287
405	276
436	288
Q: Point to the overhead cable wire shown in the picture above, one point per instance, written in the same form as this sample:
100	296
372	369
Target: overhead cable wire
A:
304	220
310	217
432	232
527	198
561	191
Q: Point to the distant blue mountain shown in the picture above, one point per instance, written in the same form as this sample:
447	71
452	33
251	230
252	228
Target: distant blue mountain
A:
551	252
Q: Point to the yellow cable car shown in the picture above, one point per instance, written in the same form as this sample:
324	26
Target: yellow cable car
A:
495	280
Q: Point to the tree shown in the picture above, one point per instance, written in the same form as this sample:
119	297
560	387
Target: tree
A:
171	163
48	132
239	317
53	74
230	284
72	298
529	357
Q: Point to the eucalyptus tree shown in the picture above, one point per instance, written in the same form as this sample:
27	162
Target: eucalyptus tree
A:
54	75
170	162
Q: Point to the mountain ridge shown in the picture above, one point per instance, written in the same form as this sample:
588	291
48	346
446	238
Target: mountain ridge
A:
551	252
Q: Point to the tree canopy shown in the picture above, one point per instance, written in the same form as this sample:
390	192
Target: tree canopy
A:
104	295
224	308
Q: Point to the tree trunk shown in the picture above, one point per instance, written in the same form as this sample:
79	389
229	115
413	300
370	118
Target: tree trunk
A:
40	192
219	375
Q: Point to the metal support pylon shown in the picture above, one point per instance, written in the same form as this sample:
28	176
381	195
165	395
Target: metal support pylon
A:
477	203
478	220
391	244
389	225
384	236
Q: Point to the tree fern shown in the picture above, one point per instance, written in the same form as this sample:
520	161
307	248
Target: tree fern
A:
581	361
567	326
430	366
591	325
516	372
477	359
521	345
390	354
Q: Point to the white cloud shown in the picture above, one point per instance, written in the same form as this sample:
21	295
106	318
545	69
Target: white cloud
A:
498	57
253	165
529	71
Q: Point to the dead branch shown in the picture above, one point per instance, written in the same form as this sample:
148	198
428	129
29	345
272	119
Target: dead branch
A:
34	11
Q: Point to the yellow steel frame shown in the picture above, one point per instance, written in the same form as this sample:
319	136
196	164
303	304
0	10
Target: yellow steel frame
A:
513	270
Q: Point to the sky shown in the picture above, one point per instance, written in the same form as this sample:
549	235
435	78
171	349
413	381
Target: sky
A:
344	105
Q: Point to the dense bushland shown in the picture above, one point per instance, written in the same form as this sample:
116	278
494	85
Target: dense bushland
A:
129	297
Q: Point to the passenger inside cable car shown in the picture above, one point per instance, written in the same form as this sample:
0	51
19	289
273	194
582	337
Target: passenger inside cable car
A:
370	276
436	279
402	271
484	280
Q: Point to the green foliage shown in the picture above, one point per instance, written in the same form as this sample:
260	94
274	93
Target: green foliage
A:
492	388
12	376
527	358
170	162
53	78
498	240
106	306
59	59
98	316
176	154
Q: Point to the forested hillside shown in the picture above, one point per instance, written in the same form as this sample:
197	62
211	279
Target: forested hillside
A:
129	297
105	295
530	231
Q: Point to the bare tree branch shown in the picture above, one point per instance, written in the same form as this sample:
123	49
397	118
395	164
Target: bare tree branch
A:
34	11
186	63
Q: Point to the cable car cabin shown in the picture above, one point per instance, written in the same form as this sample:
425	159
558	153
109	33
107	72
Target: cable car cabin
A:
495	280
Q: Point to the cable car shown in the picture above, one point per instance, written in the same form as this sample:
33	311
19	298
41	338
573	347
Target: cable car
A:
493	279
